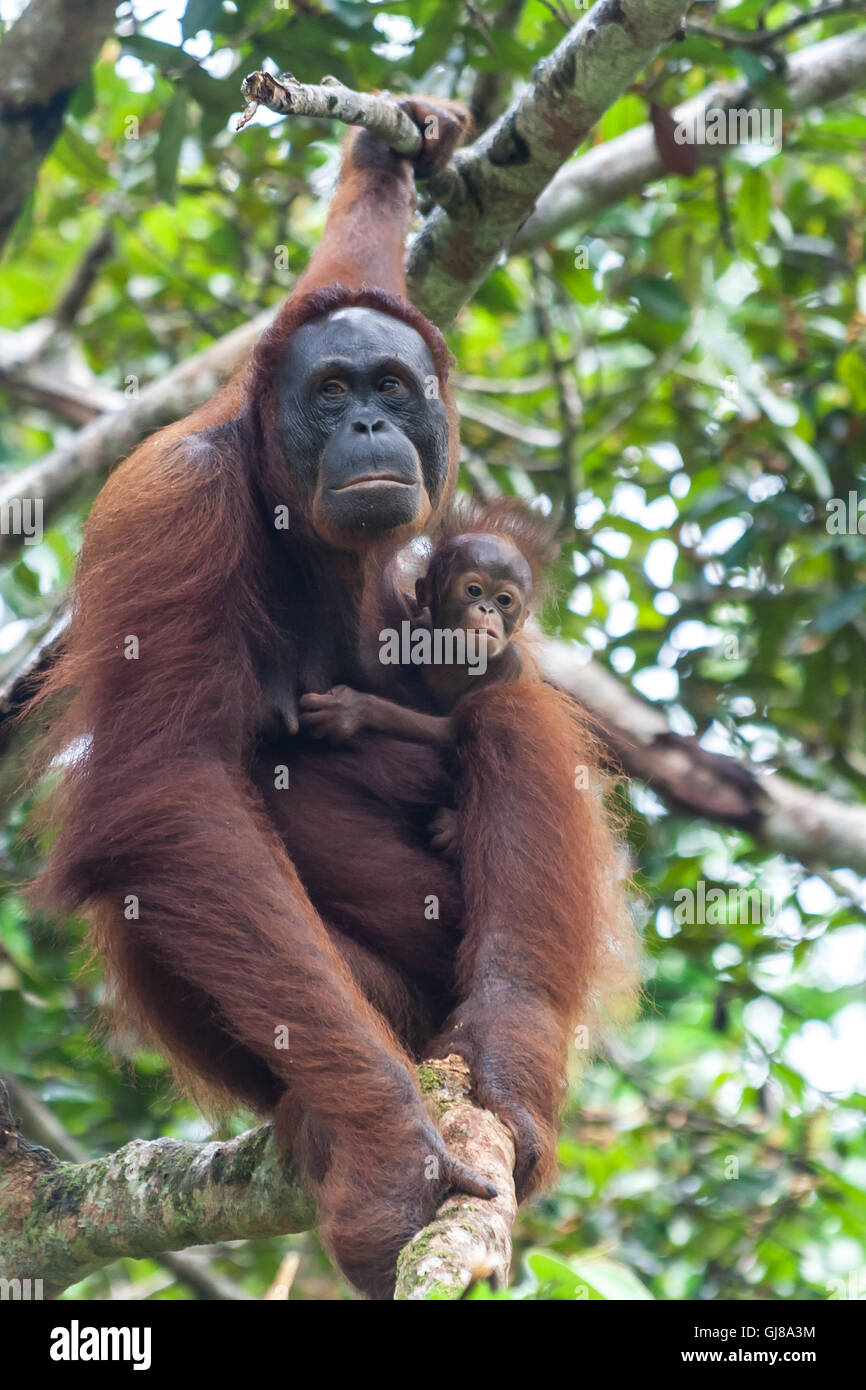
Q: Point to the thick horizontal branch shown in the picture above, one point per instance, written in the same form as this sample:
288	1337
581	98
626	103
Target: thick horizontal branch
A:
504	172
35	367
89	455
624	166
70	404
60	1221
43	58
793	820
192	1268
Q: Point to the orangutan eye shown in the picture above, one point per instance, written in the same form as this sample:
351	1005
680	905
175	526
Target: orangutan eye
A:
504	600
391	386
333	388
474	590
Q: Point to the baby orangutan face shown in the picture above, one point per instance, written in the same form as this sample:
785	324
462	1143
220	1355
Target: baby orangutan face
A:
479	582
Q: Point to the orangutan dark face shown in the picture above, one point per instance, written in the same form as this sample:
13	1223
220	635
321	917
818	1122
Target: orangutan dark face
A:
359	400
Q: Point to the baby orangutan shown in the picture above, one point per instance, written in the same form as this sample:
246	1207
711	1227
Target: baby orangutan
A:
479	584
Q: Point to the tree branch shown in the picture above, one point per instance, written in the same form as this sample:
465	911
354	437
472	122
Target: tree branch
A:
759	39
470	1239
88	456
43	58
794	820
70	403
619	168
504	172
18	686
495	182
60	1221
332	101
191	1268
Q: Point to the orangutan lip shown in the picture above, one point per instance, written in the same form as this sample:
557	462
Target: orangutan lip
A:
373	480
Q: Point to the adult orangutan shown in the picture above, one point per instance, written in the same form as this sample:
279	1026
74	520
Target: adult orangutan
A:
200	617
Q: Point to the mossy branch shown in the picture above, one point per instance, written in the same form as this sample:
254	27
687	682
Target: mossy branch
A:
470	1240
60	1221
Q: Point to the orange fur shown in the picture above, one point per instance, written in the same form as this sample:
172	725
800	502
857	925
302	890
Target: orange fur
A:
257	909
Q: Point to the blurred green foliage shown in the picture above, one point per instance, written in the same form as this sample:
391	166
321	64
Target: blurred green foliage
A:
714	330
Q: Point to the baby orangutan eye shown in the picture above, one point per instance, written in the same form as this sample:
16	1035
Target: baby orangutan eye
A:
473	590
504	600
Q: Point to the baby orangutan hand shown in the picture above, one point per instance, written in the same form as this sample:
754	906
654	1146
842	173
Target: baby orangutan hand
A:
336	715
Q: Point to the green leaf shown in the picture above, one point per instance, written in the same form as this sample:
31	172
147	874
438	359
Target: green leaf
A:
600	1279
167	57
840	611
811	462
660	298
84	99
750	64
851	371
80	159
754	205
201	14
218	98
612	1279
171	136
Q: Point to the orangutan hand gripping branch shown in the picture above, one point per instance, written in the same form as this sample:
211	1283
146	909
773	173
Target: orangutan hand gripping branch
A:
233	909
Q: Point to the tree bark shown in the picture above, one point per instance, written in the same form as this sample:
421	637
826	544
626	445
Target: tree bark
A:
470	1240
88	456
60	1221
43	58
502	174
798	821
333	101
620	168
